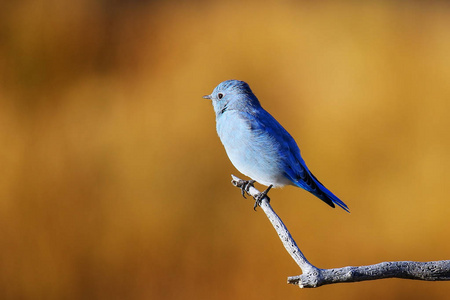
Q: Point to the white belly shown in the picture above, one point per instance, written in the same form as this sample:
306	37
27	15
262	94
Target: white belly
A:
254	154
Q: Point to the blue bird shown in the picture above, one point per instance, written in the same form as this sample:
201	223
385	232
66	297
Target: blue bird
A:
258	146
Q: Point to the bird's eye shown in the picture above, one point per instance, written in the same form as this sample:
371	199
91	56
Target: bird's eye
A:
220	95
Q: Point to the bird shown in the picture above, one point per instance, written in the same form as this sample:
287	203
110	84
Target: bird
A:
259	146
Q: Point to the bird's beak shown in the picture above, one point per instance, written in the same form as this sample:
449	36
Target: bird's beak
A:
207	97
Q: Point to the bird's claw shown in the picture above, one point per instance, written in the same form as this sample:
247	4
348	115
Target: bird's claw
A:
245	186
260	196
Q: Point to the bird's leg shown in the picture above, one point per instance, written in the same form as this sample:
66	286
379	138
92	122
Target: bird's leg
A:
261	196
245	186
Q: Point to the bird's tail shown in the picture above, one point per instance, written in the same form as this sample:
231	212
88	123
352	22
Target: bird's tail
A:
326	195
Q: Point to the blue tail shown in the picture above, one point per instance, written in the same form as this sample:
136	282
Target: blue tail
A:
326	195
306	180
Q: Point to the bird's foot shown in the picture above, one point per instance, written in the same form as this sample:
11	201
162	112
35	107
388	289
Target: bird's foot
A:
261	196
245	186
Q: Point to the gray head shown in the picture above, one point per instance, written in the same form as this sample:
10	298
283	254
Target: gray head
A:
232	95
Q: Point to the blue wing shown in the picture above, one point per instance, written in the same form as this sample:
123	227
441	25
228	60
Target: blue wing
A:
292	163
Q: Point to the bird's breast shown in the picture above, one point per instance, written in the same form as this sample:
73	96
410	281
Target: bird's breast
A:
252	151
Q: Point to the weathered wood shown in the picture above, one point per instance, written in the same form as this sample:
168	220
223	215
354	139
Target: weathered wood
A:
314	277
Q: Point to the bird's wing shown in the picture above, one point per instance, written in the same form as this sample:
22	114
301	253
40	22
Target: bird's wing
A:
293	164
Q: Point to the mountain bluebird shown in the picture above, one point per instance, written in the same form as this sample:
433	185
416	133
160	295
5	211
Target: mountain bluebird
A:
258	146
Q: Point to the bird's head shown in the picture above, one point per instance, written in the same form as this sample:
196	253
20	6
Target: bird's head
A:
232	95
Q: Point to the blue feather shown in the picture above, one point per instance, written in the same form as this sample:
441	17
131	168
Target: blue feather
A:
258	146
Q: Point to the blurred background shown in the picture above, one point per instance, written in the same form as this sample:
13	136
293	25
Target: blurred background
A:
114	184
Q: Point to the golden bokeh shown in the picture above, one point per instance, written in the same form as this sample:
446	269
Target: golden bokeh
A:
114	184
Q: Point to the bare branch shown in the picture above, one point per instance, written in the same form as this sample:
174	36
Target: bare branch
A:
315	277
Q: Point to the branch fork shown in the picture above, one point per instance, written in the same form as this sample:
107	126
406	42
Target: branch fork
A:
312	276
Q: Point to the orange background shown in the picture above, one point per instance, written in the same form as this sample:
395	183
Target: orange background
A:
114	184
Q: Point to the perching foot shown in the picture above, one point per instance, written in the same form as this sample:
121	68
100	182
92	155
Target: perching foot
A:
245	186
261	196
